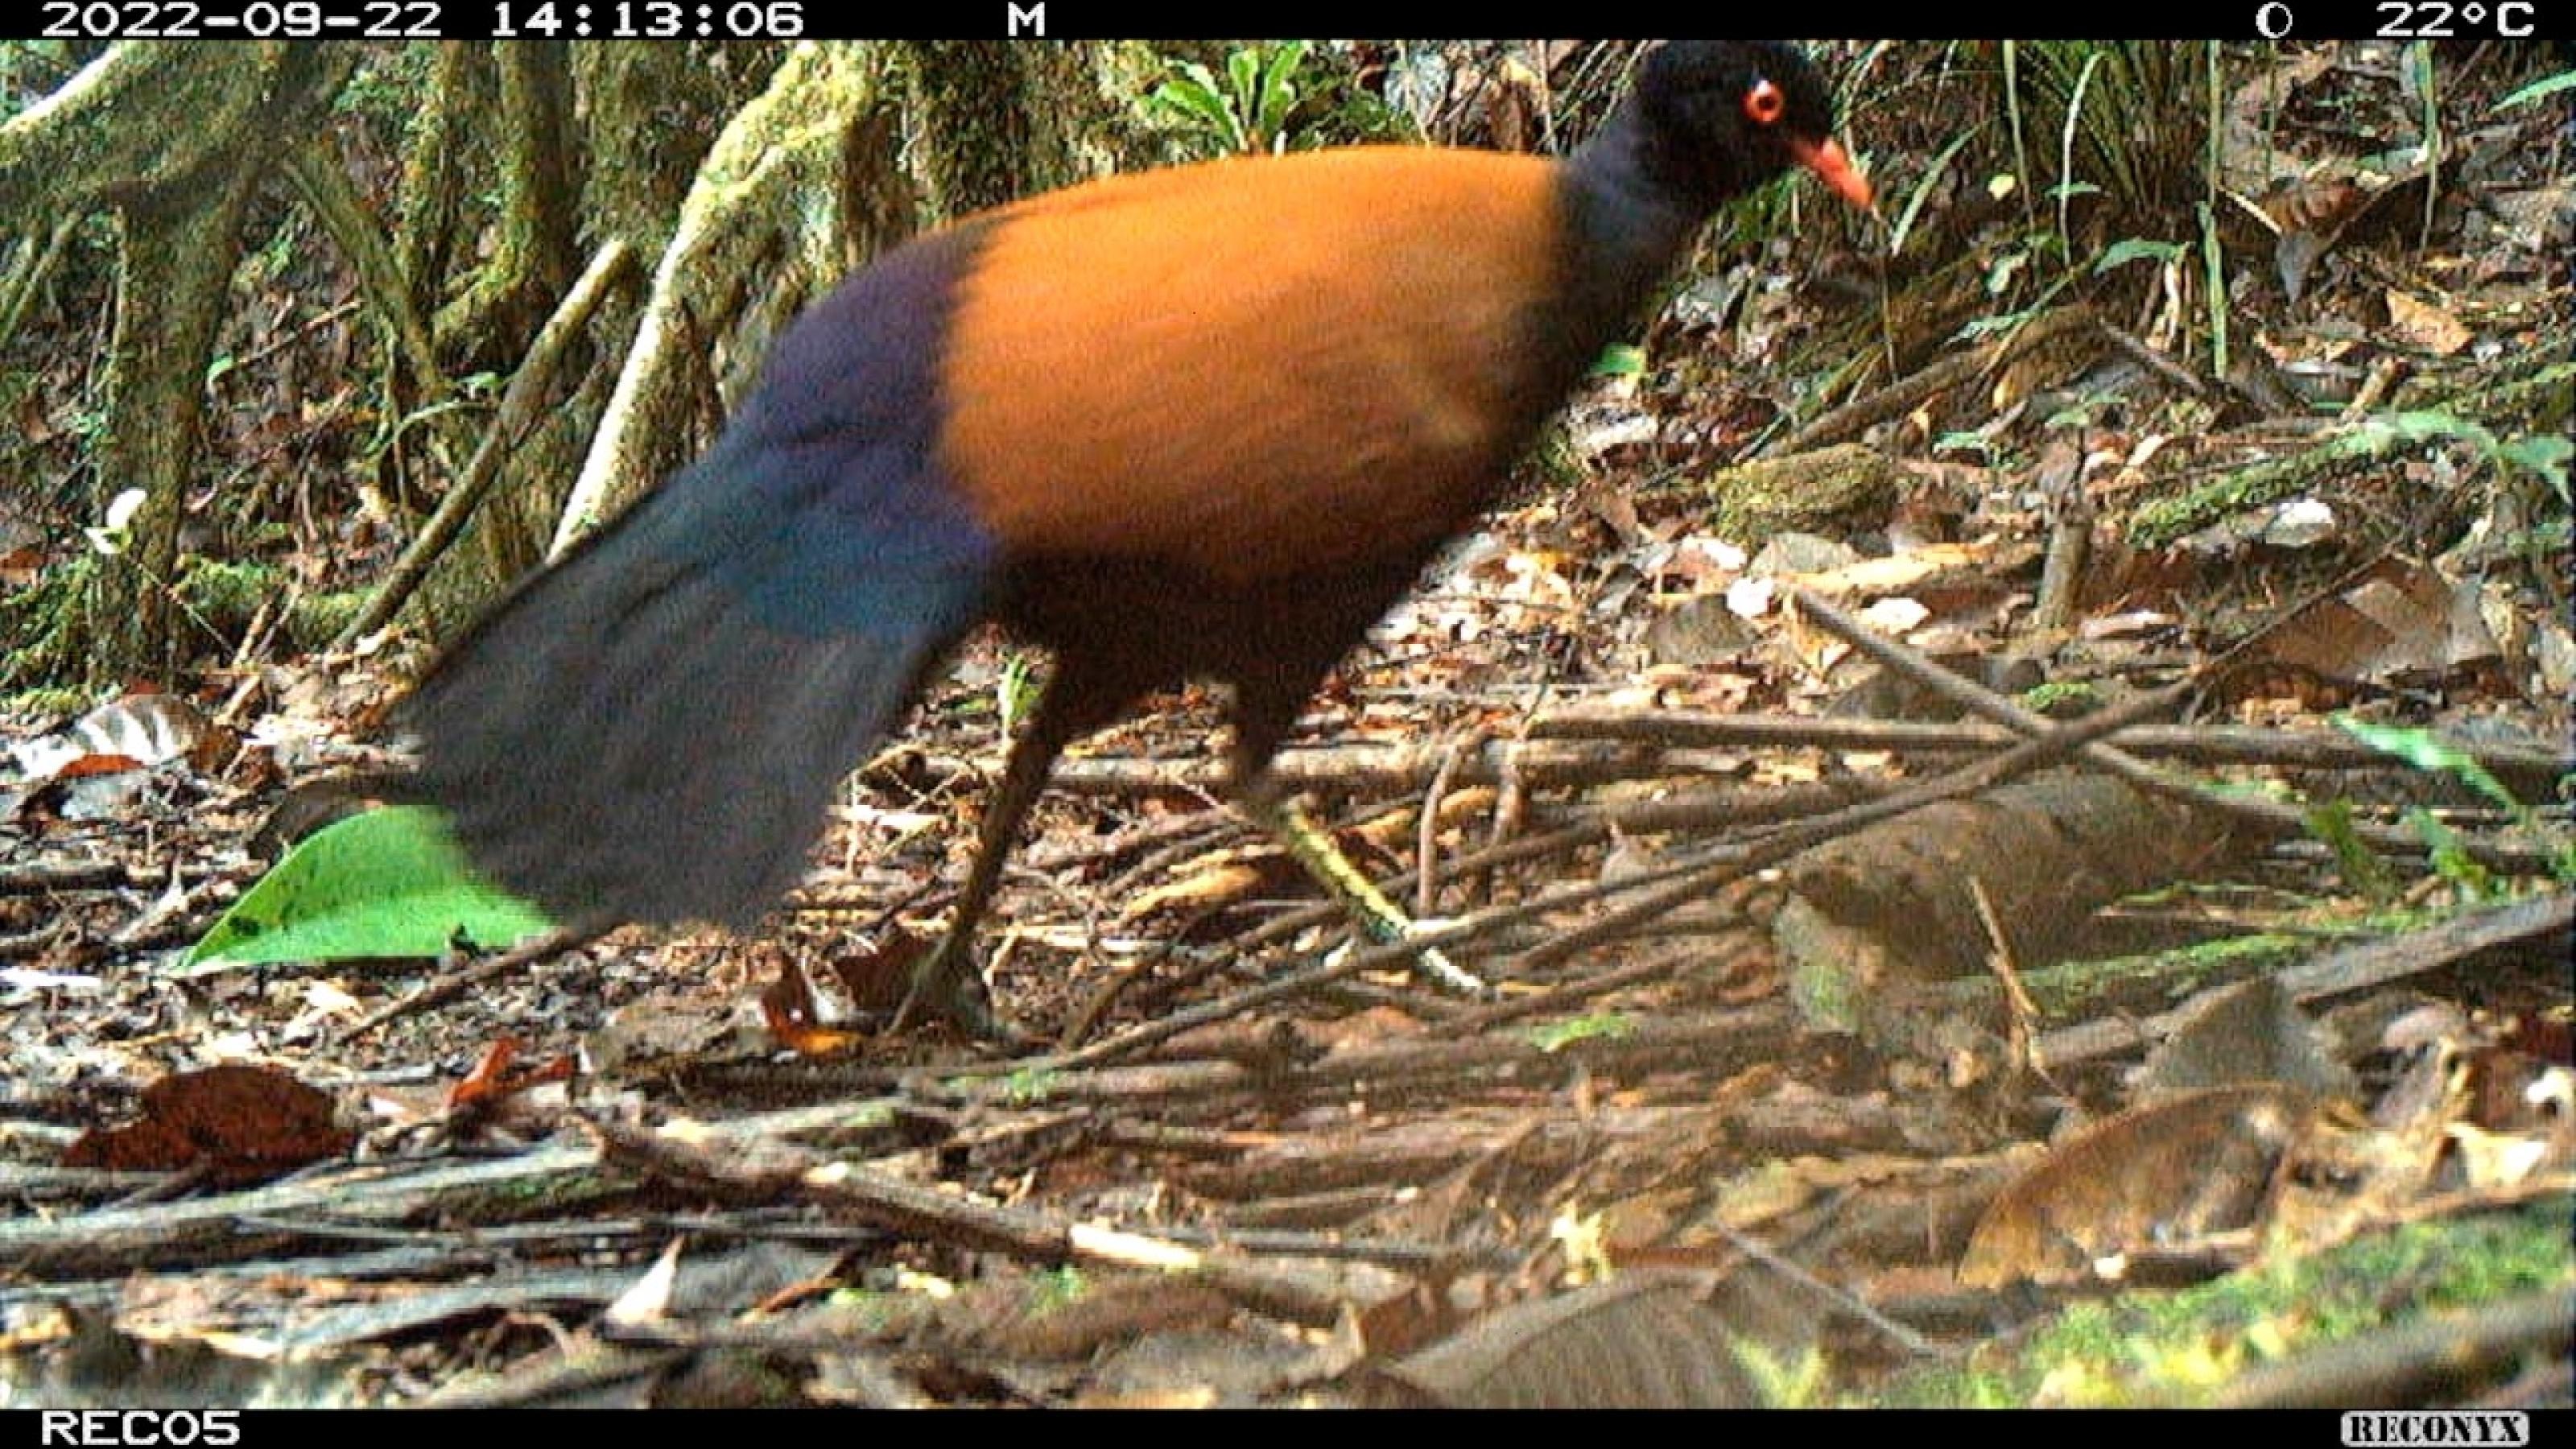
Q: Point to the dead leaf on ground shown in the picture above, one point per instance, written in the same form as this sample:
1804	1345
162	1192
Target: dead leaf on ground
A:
2397	621
242	1124
2425	326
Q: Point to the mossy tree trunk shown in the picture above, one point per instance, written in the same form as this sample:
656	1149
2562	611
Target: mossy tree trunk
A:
532	257
648	114
434	168
995	121
175	139
174	270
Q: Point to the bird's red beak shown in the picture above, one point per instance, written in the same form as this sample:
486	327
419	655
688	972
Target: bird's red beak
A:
1827	160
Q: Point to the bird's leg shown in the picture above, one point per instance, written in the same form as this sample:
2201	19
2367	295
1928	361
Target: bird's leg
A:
945	983
1311	846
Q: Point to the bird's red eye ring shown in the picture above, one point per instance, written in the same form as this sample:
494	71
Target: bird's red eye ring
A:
1764	103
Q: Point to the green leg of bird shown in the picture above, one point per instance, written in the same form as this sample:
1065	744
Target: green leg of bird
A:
946	983
1378	918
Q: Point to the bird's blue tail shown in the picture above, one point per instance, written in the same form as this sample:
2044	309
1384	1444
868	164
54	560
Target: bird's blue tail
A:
651	729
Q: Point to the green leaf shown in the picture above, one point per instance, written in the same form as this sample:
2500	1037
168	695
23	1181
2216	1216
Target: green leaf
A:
1015	693
1031	1085
2362	870
2381	431
1923	190
1242	74
1278	90
2130	249
1620	359
2429	752
2540	89
2544	455
1556	1036
1058	1288
2450	858
1191	100
387	883
2214	289
2058	693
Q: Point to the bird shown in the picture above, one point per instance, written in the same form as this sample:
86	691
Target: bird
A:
1201	422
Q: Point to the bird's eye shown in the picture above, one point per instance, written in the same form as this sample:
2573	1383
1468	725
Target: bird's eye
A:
1764	103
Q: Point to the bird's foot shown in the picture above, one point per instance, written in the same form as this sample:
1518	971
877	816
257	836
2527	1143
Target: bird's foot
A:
947	987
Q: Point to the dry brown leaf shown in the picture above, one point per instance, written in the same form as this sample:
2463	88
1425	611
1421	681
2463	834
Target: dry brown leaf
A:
241	1124
2424	326
1219	880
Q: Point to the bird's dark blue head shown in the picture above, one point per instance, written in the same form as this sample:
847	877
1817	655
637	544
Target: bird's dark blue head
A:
1720	117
